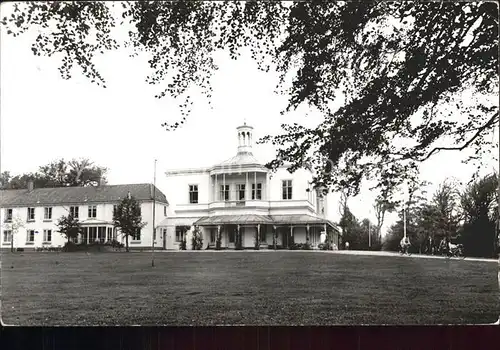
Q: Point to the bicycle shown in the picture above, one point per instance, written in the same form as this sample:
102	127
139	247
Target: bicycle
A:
404	251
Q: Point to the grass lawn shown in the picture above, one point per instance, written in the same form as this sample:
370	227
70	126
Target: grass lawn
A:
252	288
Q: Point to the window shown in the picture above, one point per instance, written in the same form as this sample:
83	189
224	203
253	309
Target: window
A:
47	213
73	211
179	234
102	234
224	192
110	234
137	235
47	235
193	193
154	234
164	210
240	190
263	233
92	211
287	189
30	236
85	234
164	233
31	214
7	236
8	215
232	236
115	208
259	191
92	234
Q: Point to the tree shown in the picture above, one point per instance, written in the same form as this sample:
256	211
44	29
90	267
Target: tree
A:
4	179
127	217
447	212
59	173
197	239
13	227
69	226
402	67
382	206
480	216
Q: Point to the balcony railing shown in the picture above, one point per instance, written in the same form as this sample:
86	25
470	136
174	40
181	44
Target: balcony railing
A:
240	203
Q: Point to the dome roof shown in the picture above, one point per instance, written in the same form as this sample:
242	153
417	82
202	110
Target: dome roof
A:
240	159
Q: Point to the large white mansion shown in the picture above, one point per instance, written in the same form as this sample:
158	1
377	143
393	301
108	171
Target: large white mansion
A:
239	200
235	204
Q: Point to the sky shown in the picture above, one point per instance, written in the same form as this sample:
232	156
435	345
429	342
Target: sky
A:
44	118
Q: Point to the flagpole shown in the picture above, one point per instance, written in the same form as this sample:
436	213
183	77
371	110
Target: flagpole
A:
154	222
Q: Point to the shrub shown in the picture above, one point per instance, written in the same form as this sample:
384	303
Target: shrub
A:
218	241
115	244
70	247
20	249
325	246
300	246
182	245
197	239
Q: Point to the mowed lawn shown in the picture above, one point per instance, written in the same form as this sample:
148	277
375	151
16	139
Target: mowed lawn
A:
252	288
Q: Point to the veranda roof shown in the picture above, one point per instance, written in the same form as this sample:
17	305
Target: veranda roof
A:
234	219
263	219
299	219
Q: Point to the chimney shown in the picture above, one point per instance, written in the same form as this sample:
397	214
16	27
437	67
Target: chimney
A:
102	182
129	195
30	185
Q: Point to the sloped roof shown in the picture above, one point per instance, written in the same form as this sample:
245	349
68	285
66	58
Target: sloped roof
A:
263	219
234	219
69	195
240	159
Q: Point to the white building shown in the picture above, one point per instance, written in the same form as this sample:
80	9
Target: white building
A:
239	200
38	210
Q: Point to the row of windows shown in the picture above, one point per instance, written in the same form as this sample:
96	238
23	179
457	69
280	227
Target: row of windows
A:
232	236
74	211
240	192
30	236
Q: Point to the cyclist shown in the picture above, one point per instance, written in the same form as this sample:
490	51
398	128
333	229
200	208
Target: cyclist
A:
405	244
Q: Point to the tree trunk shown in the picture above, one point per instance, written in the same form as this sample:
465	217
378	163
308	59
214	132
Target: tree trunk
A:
11	243
126	243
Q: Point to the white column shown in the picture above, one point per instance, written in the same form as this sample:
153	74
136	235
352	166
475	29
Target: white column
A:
326	233
248	191
268	187
238	238
255	182
258	235
224	186
216	189
218	236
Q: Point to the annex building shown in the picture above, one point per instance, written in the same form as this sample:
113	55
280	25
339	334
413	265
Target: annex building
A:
38	210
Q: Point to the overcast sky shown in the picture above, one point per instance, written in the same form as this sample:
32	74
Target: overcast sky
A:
44	118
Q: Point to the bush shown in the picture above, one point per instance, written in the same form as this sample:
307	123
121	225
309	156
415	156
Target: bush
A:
20	249
300	246
70	247
197	239
115	244
182	245
325	246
